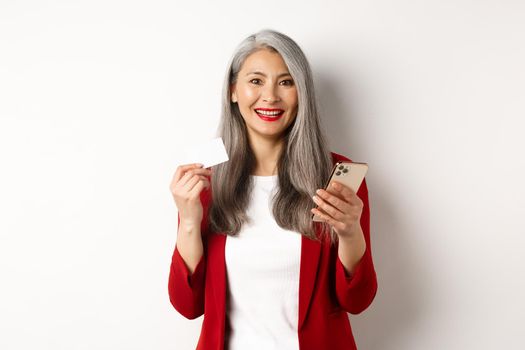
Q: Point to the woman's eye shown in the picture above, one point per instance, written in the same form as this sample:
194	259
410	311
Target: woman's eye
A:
286	82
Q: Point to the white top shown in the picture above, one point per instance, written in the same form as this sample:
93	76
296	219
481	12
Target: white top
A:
262	271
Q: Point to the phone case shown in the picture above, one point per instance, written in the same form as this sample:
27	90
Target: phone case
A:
350	174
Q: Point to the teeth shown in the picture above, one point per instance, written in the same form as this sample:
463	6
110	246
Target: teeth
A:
268	113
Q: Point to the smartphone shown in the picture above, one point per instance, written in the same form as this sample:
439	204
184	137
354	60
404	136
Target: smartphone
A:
350	174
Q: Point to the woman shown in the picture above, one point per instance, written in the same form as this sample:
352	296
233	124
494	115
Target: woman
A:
248	255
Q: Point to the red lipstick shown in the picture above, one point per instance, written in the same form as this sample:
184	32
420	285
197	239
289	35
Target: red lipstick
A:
272	114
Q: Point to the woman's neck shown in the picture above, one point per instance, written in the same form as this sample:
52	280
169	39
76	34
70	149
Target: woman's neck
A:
267	154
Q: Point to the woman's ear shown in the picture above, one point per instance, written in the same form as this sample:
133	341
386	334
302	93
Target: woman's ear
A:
234	94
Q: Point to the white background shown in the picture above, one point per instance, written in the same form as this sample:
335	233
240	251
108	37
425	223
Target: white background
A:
97	98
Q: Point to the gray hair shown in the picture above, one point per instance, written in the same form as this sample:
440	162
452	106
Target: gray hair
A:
304	164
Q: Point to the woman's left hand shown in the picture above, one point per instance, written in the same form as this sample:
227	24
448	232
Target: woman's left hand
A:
342	210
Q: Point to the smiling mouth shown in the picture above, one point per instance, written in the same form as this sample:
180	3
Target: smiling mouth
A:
267	114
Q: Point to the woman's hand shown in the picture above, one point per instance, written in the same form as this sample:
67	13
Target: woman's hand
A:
342	209
188	182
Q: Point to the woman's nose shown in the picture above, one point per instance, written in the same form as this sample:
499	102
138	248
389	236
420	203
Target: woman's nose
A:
270	95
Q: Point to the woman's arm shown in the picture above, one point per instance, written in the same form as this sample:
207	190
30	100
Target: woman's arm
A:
188	272
355	291
189	245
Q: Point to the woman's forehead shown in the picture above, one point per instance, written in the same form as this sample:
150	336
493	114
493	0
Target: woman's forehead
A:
263	62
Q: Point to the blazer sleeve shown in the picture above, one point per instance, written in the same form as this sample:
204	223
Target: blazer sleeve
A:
186	290
357	291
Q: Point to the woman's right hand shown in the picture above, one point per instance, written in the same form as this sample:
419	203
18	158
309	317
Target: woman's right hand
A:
187	184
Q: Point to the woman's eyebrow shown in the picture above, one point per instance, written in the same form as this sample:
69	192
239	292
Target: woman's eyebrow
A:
264	75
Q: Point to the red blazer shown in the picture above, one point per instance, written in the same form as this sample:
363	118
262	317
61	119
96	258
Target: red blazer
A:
326	292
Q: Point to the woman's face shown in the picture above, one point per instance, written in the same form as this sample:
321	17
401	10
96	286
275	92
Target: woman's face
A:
263	88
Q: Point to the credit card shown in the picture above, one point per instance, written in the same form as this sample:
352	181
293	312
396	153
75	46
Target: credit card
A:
207	152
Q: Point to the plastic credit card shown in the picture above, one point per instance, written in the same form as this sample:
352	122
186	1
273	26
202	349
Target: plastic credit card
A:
207	152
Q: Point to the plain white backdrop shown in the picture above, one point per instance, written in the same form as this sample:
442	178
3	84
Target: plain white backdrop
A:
98	98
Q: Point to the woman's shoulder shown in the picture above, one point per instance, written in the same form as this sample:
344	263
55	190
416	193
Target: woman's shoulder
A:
206	194
336	157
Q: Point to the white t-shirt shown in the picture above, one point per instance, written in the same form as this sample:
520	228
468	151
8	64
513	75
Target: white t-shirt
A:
262	271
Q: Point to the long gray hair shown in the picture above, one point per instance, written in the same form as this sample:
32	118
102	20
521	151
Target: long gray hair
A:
304	164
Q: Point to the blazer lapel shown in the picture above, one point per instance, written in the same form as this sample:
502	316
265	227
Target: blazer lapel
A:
310	253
